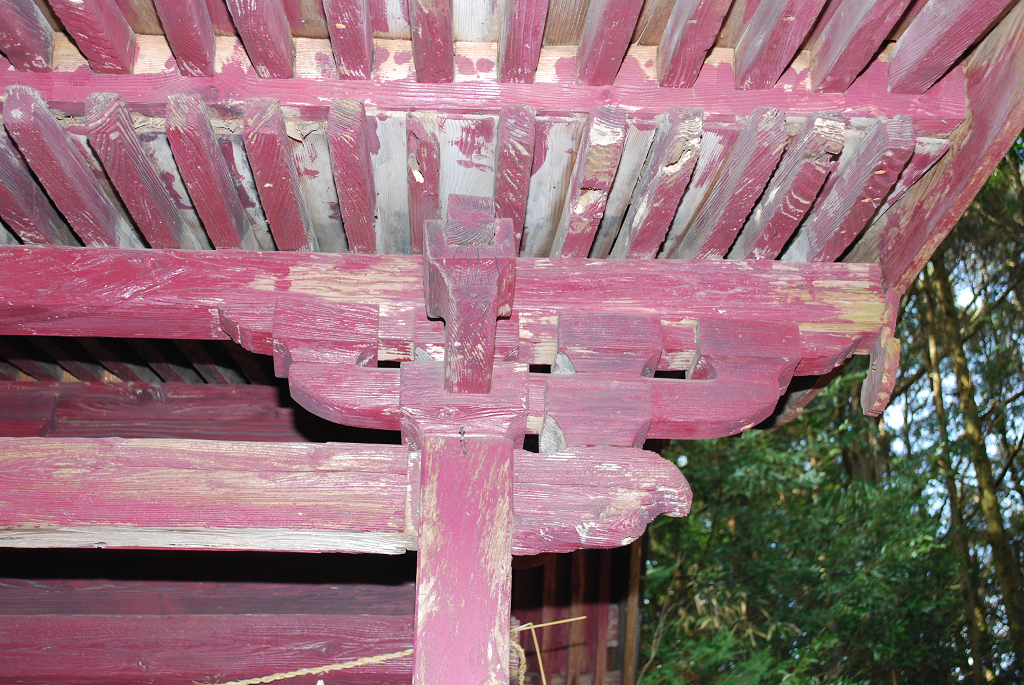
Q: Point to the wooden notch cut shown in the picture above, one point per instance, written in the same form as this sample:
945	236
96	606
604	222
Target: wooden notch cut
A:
353	173
745	173
690	33
433	47
277	179
608	343
850	40
861	185
263	27
736	350
513	165
422	131
937	38
26	37
522	36
596	162
771	39
664	179
793	188
594	409
63	171
606	35
348	22
112	135
100	32
189	31
468	280
205	173
324	334
23	204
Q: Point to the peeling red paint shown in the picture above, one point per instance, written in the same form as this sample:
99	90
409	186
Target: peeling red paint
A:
403	57
565	68
372	141
484	65
465	65
381	54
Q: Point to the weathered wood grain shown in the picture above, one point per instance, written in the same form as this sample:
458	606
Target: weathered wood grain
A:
522	35
325	334
936	40
622	344
264	30
29	360
881	378
277	179
581	410
205	172
26	38
160	155
166	364
141	16
606	35
232	149
657	197
849	41
71	357
424	174
118	360
350	156
189	31
433	49
316	179
388	134
100	32
860	187
751	161
637	145
554	151
513	163
597	160
64	173
348	22
24	206
927	152
771	40
794	187
689	35
112	135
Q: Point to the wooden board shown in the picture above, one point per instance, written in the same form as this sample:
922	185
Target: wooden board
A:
26	38
190	34
101	33
23	204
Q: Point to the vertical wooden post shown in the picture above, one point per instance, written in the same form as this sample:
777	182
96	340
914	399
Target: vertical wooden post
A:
424	173
190	34
433	47
631	629
522	36
576	663
26	38
101	33
348	22
266	35
604	587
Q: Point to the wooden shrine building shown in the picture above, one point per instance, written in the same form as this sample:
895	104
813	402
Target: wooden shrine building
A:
492	246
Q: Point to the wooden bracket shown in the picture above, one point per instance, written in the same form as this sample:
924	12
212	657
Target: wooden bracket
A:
885	360
746	350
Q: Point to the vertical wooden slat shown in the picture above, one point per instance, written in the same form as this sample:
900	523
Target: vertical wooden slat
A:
205	172
267	37
631	629
189	32
637	145
936	39
353	175
424	174
26	38
24	205
771	39
513	163
606	34
548	612
850	40
277	179
348	22
100	32
603	614
577	658
112	135
691	31
522	36
433	47
64	172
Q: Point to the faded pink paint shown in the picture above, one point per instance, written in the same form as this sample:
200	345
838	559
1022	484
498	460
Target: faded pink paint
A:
26	37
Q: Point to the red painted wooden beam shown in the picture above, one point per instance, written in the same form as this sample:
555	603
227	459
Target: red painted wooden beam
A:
936	40
850	40
513	165
771	39
26	38
348	22
424	173
433	47
189	32
264	30
100	32
606	35
23	204
350	157
63	171
277	178
689	35
205	173
112	135
522	36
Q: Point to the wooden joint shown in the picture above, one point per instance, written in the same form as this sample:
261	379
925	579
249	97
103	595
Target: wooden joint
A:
324	334
623	344
740	350
595	409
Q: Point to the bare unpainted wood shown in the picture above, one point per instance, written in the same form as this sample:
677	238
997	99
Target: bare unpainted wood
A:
771	39
606	36
24	206
556	140
316	179
689	35
513	163
348	22
792	189
265	32
26	38
596	163
565	22
189	31
112	135
160	155
63	171
522	35
424	174
636	146
849	41
141	16
467	156
232	149
388	133
350	156
631	641
100	32
433	49
937	38
657	197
